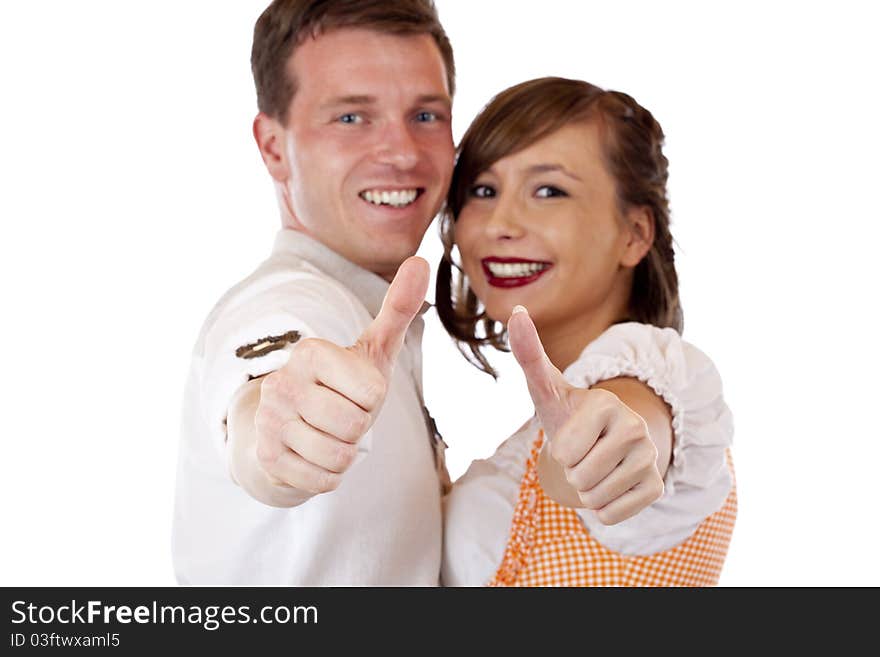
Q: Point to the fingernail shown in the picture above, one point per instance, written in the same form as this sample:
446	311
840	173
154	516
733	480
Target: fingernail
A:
520	309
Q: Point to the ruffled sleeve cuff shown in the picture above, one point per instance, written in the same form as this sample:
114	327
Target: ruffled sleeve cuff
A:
687	381
698	479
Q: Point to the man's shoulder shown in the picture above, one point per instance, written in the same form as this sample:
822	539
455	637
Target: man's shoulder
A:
287	289
281	274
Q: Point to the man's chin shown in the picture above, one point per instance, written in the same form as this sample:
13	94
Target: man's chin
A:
384	261
387	269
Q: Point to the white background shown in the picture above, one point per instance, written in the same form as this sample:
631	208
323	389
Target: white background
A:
132	196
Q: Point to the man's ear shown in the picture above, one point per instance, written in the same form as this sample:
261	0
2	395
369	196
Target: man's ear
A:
640	225
271	139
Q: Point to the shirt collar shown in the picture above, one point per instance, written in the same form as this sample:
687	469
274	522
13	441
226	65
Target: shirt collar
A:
370	288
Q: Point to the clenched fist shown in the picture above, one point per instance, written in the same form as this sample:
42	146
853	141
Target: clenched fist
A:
601	446
312	412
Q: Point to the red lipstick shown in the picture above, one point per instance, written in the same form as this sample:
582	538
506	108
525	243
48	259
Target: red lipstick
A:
513	272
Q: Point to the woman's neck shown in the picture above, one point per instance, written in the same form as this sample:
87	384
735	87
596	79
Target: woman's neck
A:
564	341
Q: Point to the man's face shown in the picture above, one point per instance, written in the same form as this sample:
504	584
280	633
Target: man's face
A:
368	143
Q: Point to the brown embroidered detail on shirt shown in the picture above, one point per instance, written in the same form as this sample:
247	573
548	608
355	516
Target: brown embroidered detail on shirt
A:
267	345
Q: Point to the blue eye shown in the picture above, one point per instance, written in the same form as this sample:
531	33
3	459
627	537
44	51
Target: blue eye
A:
482	191
426	117
549	191
351	118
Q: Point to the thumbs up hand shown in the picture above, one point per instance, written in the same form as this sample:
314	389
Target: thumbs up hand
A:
602	447
313	411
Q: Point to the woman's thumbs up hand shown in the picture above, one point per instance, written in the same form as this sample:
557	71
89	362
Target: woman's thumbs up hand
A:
602	447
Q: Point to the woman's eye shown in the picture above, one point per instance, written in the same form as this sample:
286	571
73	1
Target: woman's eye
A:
426	117
549	191
482	191
351	118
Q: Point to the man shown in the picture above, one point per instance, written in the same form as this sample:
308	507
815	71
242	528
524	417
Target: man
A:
288	472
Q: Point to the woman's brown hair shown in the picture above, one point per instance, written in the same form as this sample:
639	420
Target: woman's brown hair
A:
514	120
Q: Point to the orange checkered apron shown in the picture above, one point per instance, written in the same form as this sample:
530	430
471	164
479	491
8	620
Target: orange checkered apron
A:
550	546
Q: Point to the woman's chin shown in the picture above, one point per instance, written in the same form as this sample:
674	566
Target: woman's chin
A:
501	312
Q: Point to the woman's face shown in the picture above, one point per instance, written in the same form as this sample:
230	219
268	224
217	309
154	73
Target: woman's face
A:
542	228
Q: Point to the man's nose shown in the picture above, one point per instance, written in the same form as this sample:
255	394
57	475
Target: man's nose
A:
397	147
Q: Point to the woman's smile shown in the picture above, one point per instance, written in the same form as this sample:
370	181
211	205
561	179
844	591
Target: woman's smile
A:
509	272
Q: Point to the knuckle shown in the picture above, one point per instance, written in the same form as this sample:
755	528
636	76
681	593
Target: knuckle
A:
576	478
303	403
328	481
633	431
607	517
637	426
560	452
589	499
305	355
648	456
267	453
659	488
266	421
603	398
269	384
653	453
375	391
279	386
359	424
305	349
292	391
344	456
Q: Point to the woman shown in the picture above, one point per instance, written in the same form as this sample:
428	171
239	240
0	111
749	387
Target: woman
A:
558	203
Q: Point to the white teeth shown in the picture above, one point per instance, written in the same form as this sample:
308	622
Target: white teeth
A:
397	198
515	269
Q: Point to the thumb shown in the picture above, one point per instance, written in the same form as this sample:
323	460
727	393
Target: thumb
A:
546	383
382	339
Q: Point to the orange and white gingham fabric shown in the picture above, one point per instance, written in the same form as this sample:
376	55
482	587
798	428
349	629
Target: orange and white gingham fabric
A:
550	546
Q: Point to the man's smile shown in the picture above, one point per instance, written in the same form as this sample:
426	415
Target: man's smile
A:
397	198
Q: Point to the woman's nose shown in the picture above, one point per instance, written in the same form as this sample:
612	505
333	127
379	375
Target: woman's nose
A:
397	147
506	221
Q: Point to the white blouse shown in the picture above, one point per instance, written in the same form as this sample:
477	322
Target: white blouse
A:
479	510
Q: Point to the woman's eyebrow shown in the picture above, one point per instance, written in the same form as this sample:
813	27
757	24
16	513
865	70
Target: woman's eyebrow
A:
544	168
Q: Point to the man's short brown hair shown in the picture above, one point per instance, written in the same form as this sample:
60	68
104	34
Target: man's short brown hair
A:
285	24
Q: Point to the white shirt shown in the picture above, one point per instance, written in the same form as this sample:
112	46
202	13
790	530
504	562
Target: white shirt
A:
479	510
382	526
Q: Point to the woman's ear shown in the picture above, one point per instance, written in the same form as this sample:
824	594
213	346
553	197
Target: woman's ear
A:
640	224
271	139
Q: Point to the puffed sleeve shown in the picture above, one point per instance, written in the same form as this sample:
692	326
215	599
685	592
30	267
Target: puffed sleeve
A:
698	479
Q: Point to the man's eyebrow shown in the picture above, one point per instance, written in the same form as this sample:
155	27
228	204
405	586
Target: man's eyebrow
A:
350	100
544	168
426	99
356	99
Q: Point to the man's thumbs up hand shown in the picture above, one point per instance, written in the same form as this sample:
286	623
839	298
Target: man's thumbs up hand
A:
381	341
603	447
314	410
